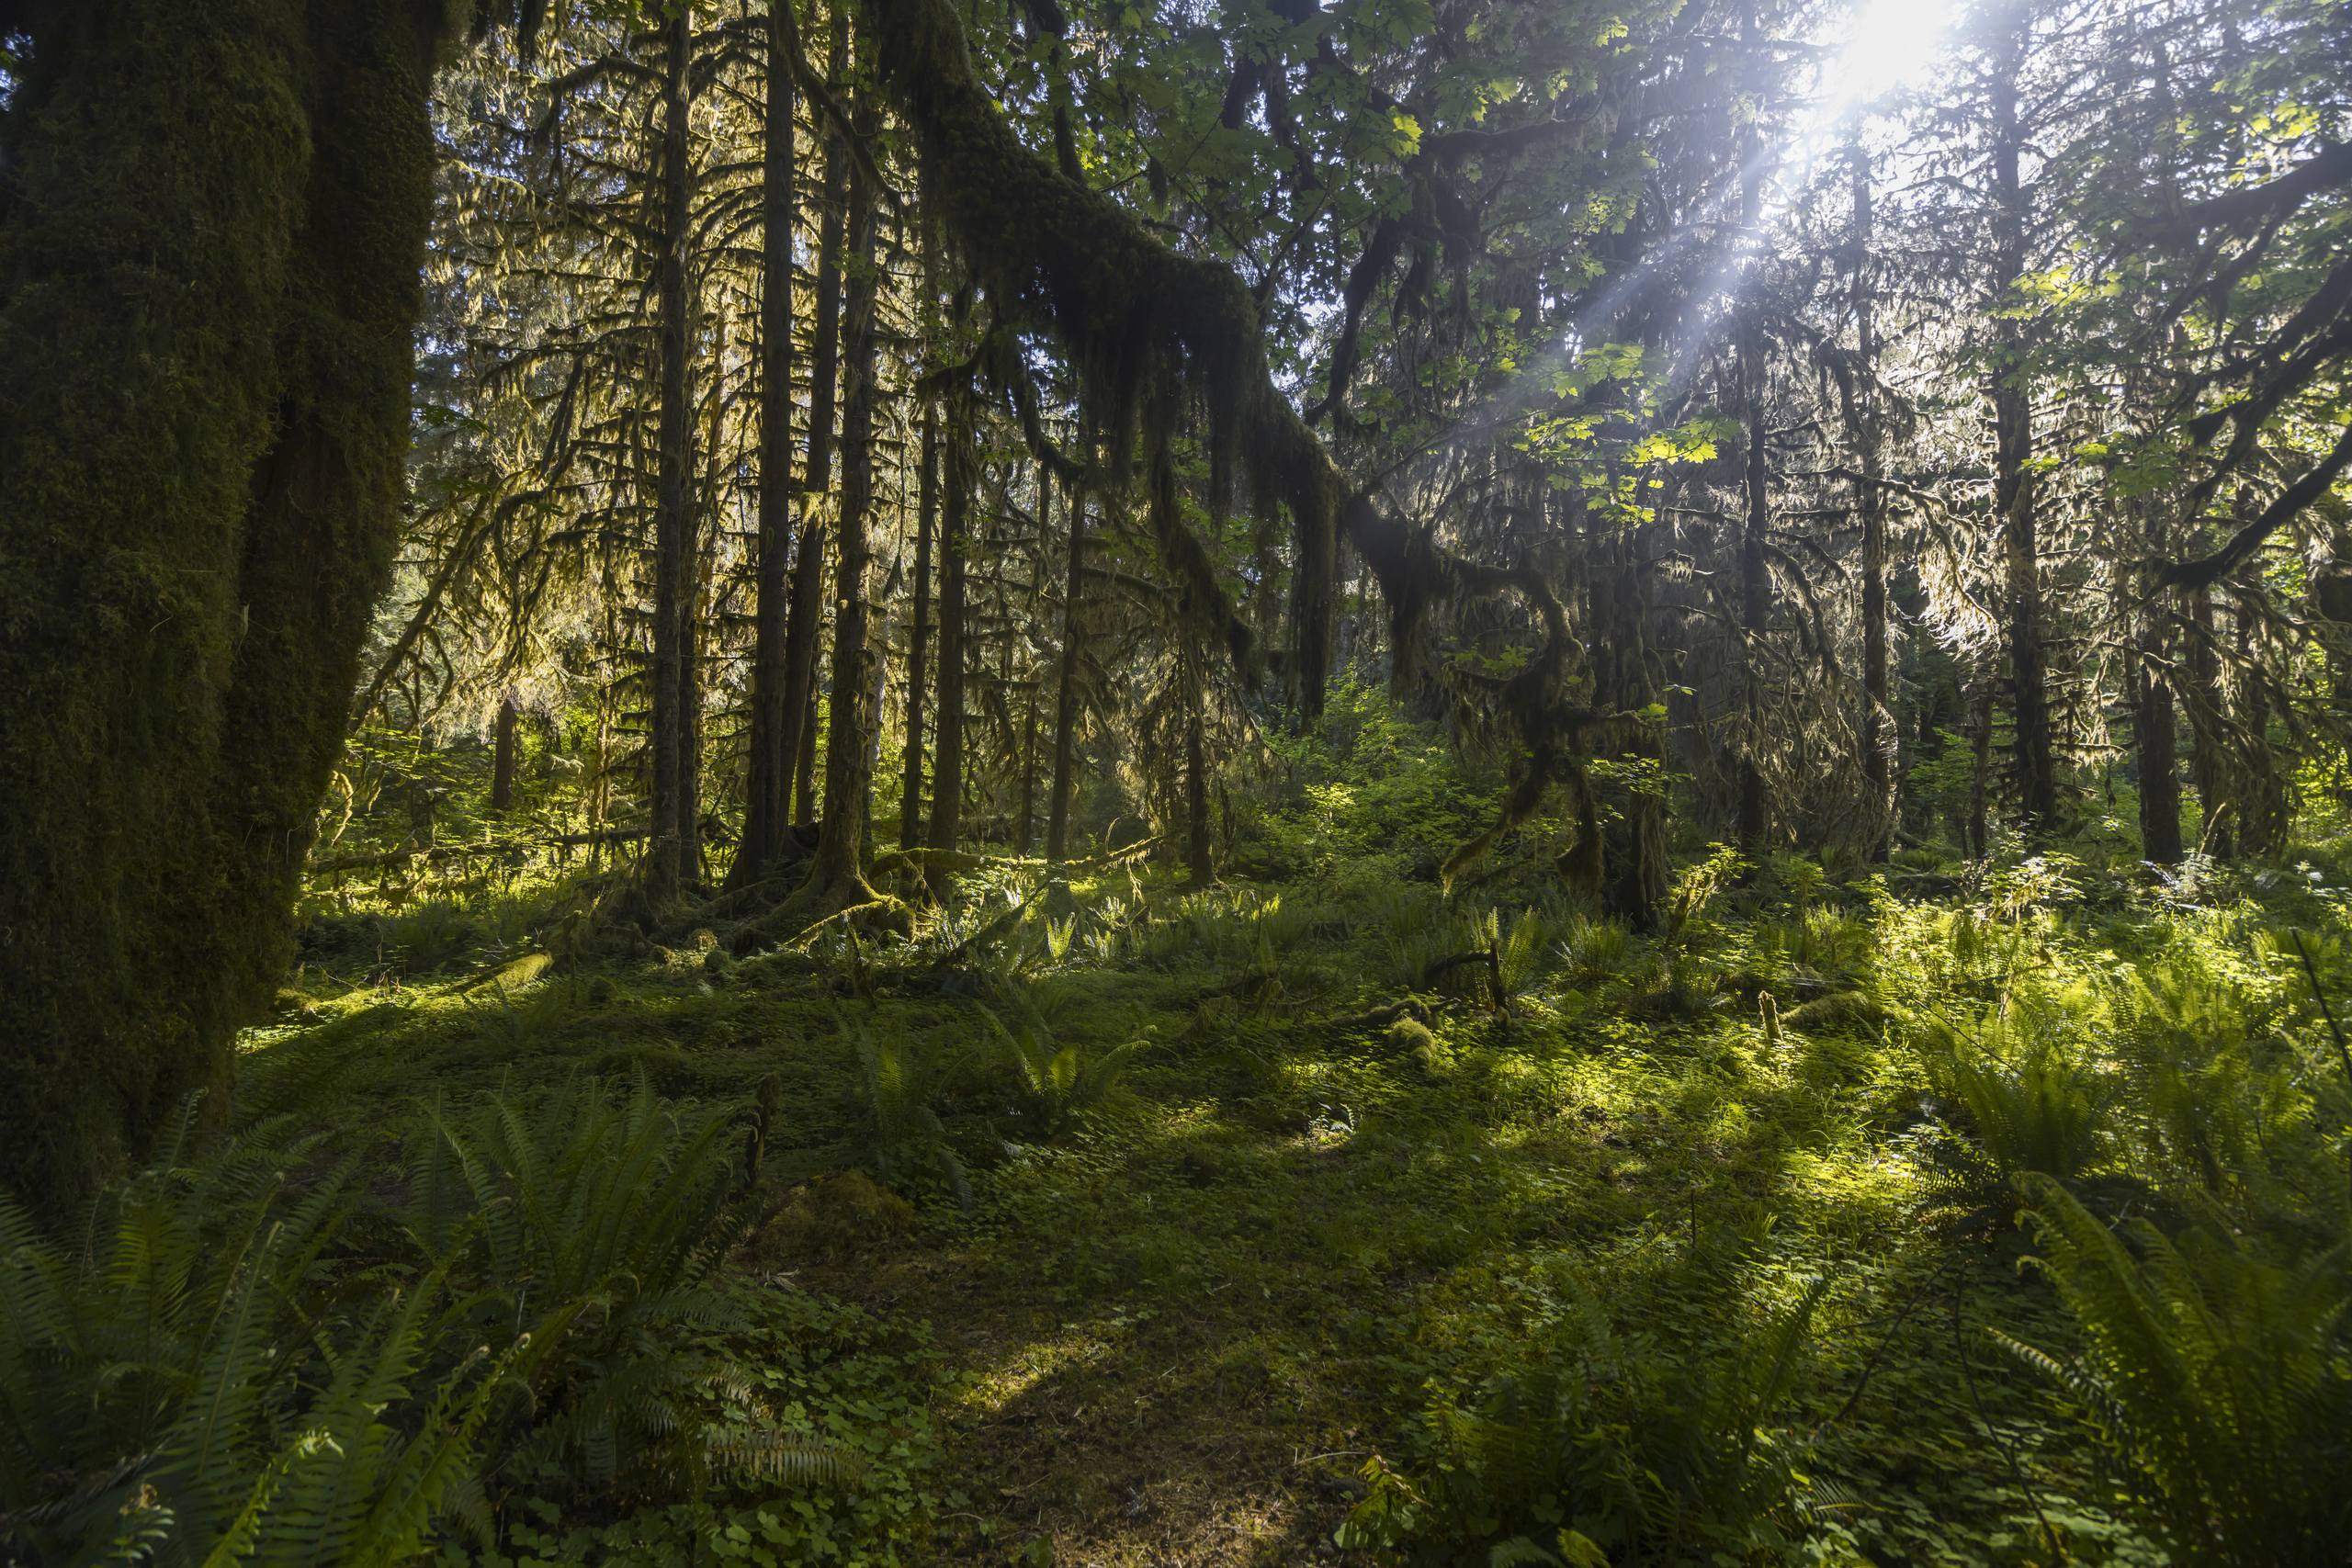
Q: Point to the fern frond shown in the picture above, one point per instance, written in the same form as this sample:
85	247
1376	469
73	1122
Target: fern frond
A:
797	1462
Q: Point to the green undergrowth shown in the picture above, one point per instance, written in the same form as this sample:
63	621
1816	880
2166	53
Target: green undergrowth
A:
1826	1224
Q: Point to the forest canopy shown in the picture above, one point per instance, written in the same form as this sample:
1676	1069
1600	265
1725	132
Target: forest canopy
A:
1558	750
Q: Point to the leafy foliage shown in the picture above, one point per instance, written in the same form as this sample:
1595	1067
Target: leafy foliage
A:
1603	1442
1053	1086
906	1138
259	1355
2221	1380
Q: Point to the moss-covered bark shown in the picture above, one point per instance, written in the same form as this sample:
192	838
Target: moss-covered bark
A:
807	631
674	859
1163	340
208	285
767	808
839	874
919	638
1057	802
962	464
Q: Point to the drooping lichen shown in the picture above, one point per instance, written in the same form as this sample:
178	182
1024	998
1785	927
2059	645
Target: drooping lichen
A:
1163	340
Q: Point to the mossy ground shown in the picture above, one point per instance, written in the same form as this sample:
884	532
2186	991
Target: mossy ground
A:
1178	1334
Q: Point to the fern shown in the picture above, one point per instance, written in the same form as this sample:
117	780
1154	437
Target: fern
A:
1053	1087
2019	1101
250	1357
907	1141
1600	1430
799	1462
2222	1383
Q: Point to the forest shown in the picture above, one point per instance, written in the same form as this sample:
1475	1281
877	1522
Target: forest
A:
1176	782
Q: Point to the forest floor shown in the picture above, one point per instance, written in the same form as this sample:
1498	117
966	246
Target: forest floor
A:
1262	1278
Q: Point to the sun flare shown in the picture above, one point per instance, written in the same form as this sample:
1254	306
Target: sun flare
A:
1887	46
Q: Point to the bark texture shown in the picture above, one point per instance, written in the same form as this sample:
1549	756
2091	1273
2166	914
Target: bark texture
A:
955	548
674	858
2013	490
839	874
1064	780
502	757
919	635
208	274
824	372
767	808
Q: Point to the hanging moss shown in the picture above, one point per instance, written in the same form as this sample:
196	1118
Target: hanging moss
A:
210	282
1165	343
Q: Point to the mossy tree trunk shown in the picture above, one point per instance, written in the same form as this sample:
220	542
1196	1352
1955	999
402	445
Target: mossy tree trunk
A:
1877	730
2208	703
672	859
1752	811
767	812
2262	811
1199	865
2013	489
1024	826
919	637
955	550
1980	774
208	278
807	634
1635	874
839	874
1024	829
1057	802
2155	748
501	754
2147	684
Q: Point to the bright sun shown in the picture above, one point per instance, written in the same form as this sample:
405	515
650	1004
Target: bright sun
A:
1887	45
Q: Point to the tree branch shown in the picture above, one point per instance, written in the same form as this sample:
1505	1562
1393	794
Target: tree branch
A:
2314	484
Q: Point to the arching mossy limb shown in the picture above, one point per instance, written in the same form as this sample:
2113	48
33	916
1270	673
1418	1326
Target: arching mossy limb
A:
1160	338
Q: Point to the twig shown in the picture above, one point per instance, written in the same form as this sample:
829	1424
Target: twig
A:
1878	1353
2016	1471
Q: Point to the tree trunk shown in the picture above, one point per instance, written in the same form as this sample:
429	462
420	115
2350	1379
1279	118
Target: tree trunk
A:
2013	454
1198	861
1025	832
702	556
1980	778
919	640
670	855
207	287
2263	812
804	767
1878	732
1066	692
808	567
839	873
2209	733
2155	749
767	807
1753	814
954	545
1311	593
1632	846
502	755
1026	829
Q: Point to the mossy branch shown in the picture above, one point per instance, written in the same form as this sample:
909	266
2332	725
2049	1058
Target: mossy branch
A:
1160	339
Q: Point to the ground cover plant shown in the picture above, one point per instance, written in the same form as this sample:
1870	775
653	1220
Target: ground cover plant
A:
1237	1225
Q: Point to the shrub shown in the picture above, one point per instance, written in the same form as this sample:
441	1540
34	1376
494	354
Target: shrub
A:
254	1356
2219	1383
1598	1441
